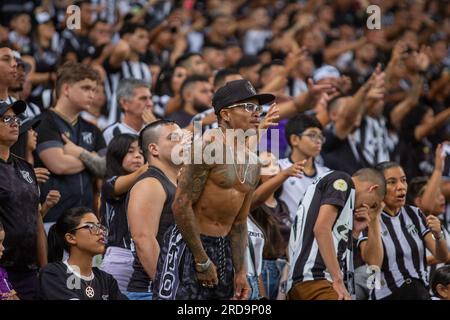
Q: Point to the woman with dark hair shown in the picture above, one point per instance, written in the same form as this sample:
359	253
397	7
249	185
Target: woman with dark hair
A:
405	235
79	232
124	165
24	148
167	92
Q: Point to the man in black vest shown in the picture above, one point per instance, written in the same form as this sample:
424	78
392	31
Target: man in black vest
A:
149	205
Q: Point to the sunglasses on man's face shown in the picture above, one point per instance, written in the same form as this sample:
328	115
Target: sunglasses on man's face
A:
248	106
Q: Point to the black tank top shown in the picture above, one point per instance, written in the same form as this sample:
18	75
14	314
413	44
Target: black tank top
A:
140	281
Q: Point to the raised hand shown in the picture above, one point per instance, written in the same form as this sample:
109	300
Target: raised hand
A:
271	118
439	159
315	90
422	59
296	170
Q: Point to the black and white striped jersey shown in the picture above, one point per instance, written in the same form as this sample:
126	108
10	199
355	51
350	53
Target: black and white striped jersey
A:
108	12
403	237
128	69
115	129
333	188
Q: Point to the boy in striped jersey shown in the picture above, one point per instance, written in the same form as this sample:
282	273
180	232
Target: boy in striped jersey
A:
335	208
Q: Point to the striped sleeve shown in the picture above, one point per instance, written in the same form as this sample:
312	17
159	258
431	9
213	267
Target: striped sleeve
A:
422	223
363	236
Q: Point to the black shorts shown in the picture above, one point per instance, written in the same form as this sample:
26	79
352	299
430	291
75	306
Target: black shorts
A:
176	278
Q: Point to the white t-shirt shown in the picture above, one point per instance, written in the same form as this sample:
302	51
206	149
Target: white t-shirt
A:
256	236
294	188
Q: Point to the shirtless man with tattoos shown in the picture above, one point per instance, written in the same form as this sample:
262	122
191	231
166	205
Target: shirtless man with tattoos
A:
204	253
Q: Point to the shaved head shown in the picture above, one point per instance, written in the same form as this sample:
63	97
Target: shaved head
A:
151	133
372	176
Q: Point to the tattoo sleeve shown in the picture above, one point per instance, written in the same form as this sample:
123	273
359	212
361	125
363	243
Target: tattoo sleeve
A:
95	164
190	187
239	242
239	237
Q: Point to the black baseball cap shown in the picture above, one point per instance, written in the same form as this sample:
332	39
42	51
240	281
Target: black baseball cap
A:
18	107
238	91
28	124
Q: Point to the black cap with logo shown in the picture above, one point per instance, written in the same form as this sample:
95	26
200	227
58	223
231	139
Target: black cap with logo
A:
238	91
18	107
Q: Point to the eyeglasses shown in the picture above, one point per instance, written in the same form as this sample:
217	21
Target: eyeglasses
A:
314	137
94	229
11	119
249	107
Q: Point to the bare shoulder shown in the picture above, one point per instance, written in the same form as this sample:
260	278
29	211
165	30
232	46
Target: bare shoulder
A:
149	186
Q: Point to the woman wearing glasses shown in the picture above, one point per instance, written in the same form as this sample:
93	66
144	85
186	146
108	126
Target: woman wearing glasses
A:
19	203
80	233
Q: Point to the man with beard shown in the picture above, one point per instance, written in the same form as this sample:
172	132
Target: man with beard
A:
196	94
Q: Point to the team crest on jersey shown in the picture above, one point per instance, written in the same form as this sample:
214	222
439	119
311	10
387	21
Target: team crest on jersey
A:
411	229
26	176
87	137
340	185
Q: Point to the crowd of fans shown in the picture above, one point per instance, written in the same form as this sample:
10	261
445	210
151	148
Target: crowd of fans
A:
107	103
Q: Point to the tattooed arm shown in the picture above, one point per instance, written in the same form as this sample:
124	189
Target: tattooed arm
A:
239	240
94	163
190	186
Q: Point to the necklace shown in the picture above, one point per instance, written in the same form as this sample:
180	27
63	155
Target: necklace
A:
89	290
234	164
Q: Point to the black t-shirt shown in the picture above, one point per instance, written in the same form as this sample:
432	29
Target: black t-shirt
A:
338	154
76	189
19	202
58	281
81	46
114	215
181	118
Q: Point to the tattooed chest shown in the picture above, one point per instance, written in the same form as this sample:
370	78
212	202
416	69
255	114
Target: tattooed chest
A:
239	176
